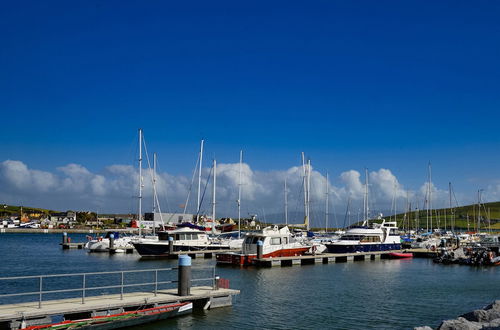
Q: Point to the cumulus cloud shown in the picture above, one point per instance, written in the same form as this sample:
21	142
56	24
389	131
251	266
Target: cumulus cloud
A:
115	189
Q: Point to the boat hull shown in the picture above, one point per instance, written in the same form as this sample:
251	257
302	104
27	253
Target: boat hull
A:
396	255
239	259
118	321
162	250
353	248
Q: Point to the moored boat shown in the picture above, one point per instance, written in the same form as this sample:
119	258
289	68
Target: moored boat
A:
276	242
121	320
183	239
400	255
377	237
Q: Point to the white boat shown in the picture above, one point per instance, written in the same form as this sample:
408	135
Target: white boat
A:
183	239
102	244
276	242
377	237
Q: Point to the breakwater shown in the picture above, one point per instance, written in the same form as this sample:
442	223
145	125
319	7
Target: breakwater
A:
487	318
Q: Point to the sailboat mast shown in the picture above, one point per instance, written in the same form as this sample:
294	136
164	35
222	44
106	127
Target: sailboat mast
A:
239	196
154	183
308	193
139	216
430	193
326	203
304	182
213	194
154	191
198	206
365	199
286	204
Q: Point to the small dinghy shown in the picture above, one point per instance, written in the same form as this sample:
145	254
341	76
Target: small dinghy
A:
121	320
400	255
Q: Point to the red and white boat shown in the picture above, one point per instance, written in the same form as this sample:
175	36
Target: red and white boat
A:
276	242
121	320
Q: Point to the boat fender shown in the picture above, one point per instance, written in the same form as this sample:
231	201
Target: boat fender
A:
433	248
99	239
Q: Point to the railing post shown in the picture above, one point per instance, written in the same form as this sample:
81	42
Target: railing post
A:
121	288
83	289
156	281
41	289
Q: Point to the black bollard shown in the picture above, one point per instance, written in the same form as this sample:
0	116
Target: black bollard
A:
170	245
65	238
184	279
111	241
260	249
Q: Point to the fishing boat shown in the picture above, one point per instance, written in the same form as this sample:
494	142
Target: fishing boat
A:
276	242
121	320
183	239
377	237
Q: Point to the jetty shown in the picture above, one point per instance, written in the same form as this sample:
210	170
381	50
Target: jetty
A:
325	258
122	291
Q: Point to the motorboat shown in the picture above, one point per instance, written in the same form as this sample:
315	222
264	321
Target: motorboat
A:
103	244
382	236
183	239
276	242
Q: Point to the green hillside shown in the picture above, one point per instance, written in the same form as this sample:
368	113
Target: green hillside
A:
7	210
489	214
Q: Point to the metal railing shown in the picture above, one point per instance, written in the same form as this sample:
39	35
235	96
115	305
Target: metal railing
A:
85	287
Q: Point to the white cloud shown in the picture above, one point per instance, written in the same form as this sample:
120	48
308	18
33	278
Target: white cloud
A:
115	189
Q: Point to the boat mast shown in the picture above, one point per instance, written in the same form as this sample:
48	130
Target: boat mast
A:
304	183
154	191
239	196
139	216
286	205
199	182
479	210
430	194
308	193
326	203
213	195
365	200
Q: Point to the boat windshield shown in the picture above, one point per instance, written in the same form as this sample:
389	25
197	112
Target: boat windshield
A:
253	239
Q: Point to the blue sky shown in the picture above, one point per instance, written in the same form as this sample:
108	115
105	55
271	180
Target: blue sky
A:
385	84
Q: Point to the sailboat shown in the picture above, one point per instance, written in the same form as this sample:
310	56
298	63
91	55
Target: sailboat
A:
120	243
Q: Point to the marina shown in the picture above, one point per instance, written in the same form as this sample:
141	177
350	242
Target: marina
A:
388	284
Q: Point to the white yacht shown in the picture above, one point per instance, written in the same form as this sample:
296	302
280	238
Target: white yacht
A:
377	237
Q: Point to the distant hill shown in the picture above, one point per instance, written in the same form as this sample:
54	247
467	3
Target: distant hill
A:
6	210
463	217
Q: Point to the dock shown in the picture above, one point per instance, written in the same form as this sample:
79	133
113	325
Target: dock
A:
325	258
136	289
207	254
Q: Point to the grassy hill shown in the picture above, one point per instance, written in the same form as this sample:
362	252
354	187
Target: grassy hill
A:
489	214
7	210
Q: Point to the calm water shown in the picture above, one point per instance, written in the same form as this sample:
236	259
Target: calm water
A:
387	294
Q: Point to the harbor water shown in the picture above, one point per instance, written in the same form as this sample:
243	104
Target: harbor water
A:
381	294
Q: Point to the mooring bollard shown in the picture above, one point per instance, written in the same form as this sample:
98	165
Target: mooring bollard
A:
260	249
65	238
184	279
170	245
111	241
